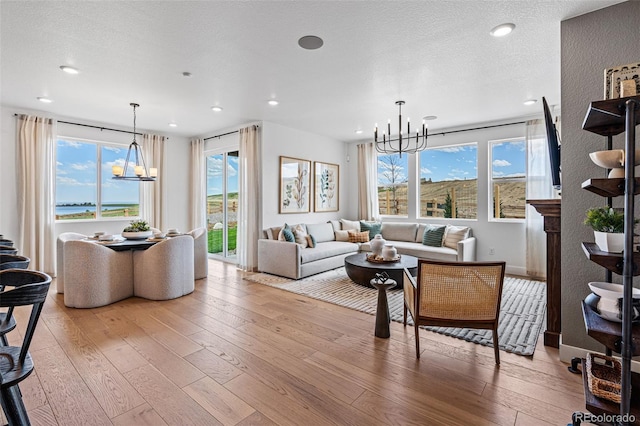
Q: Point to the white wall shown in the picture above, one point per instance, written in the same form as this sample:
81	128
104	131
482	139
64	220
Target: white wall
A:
278	140
177	175
506	238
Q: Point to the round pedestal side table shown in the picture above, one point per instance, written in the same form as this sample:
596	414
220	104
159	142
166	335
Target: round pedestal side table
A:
382	312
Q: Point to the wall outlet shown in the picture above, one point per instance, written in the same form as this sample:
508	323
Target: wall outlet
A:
492	251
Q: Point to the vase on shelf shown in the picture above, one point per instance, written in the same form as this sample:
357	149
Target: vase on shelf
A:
376	244
389	252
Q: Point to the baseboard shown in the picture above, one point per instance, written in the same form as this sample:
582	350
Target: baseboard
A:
516	270
568	352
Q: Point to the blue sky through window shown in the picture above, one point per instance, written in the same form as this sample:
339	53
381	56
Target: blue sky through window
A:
449	163
215	167
508	159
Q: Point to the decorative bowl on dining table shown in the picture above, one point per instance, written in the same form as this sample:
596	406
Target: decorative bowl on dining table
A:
137	230
137	235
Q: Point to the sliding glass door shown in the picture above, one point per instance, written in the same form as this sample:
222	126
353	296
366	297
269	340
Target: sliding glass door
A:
222	203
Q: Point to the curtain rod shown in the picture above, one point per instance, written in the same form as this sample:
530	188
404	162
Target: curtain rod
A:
477	128
93	127
224	134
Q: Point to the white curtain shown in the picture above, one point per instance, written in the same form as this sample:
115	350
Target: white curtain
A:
153	199
198	185
539	187
368	208
249	199
36	196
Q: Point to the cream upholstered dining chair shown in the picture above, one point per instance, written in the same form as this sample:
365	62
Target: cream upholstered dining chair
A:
63	238
164	270
455	294
95	275
200	253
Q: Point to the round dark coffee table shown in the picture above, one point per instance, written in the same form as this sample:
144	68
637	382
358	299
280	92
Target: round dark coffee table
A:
361	271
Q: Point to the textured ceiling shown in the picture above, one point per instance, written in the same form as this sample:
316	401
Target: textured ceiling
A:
437	56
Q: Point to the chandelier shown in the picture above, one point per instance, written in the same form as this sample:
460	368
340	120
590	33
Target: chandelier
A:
136	170
402	143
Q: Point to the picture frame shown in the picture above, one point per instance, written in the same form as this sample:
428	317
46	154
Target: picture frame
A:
295	180
613	77
326	184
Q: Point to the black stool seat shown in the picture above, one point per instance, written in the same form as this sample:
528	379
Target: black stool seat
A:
5	242
8	250
13	261
14	372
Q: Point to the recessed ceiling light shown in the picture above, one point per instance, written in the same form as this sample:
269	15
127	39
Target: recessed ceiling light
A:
429	117
69	70
530	102
216	108
186	74
44	100
273	102
359	131
502	30
310	42
173	125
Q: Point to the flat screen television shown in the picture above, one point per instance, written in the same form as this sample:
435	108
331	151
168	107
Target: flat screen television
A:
553	144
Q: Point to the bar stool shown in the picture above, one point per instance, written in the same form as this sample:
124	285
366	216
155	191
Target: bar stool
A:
7	321
8	250
5	242
16	364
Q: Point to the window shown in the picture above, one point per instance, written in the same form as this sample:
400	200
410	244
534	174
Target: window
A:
508	179
449	182
78	195
393	184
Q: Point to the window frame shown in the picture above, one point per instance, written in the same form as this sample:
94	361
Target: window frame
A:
490	182
98	217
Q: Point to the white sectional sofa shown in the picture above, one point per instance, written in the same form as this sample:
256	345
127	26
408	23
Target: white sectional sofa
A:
293	260
407	239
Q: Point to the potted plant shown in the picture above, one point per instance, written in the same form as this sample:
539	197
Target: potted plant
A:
137	229
608	228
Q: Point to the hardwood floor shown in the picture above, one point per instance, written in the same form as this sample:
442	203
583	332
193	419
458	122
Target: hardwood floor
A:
240	353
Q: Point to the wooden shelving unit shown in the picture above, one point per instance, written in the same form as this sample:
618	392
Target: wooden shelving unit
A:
608	118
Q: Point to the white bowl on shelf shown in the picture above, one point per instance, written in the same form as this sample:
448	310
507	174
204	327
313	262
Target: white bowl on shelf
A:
610	290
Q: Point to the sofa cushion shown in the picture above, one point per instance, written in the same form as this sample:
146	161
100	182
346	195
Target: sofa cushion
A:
372	227
425	252
326	250
272	233
336	225
286	234
454	234
433	235
321	232
398	231
300	235
342	235
358	237
350	225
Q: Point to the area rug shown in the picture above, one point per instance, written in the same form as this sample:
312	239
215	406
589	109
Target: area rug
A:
521	312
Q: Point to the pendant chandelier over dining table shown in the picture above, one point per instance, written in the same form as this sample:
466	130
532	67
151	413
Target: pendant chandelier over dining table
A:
401	143
137	169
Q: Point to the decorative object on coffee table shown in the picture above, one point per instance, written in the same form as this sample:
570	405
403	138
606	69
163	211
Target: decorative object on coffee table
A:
382	283
326	192
361	271
389	252
294	185
376	244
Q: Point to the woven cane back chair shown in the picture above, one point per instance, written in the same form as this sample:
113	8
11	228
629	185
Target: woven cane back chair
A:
455	294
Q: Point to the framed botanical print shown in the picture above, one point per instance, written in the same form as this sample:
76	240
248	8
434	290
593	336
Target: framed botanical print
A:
295	179
326	187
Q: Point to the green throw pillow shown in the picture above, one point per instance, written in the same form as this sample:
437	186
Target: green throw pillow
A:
433	235
373	228
288	234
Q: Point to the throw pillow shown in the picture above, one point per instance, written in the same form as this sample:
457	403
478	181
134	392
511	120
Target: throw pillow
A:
433	235
358	237
453	235
373	228
286	234
342	235
350	225
311	242
300	235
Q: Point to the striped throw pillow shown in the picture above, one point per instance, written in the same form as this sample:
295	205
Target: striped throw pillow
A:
433	235
453	235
